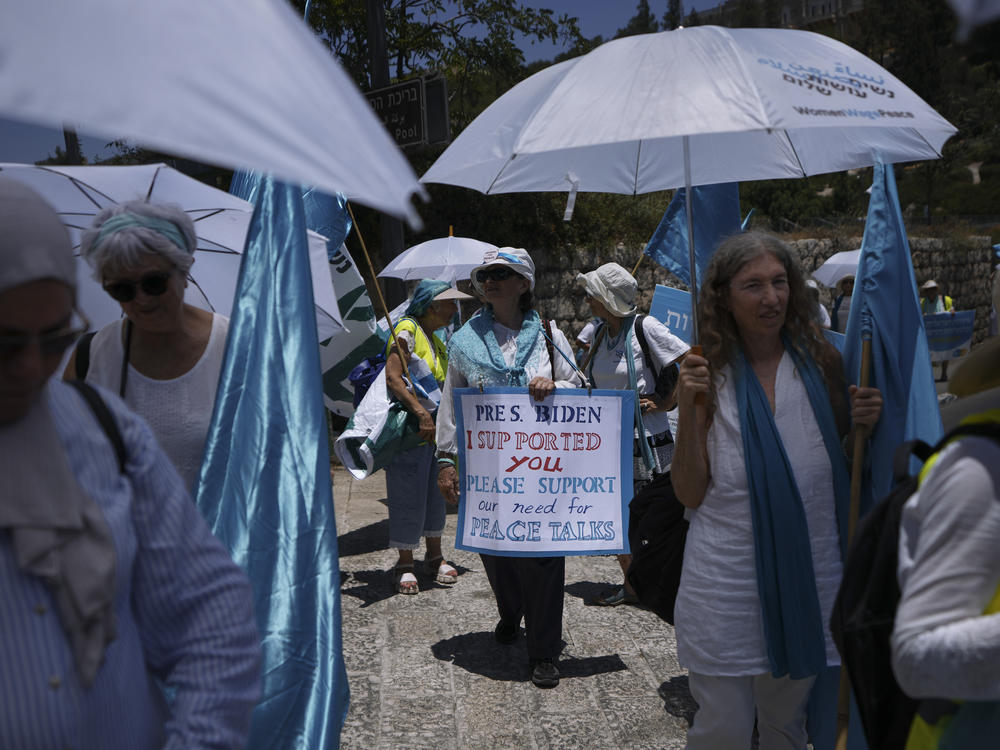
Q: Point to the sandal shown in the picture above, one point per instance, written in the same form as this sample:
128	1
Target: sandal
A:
405	581
615	597
441	570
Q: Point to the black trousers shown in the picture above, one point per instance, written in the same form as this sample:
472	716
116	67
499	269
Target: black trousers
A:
531	587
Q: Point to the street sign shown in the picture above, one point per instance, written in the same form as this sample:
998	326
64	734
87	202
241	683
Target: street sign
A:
401	109
415	112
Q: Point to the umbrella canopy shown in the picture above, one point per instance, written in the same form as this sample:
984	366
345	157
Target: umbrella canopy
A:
689	107
228	82
220	221
837	266
752	104
447	258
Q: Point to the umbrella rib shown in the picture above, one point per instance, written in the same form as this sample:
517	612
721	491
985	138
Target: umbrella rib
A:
795	153
635	177
77	183
152	184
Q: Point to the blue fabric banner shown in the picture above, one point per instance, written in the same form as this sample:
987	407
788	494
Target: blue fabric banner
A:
885	307
264	486
715	211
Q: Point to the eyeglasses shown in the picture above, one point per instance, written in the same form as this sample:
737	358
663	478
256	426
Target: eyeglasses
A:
153	285
498	273
51	344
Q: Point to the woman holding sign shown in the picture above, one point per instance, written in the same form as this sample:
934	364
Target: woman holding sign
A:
507	344
629	355
762	463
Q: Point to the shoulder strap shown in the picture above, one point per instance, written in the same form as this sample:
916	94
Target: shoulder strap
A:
82	362
550	346
103	415
643	344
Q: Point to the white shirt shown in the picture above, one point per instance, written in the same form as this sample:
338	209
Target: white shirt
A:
179	410
611	369
949	568
565	377
719	625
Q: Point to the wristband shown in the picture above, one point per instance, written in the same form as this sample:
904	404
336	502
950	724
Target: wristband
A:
447	460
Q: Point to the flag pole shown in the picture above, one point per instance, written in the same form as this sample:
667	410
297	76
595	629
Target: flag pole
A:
378	292
857	465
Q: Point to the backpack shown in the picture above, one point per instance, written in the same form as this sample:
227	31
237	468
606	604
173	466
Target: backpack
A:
865	609
364	373
666	378
656	533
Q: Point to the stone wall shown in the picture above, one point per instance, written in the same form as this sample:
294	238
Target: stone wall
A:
960	265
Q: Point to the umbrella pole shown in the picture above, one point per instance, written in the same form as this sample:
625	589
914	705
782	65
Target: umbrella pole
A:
699	399
378	291
857	464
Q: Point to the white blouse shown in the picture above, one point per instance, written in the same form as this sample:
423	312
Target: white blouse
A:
610	368
179	410
719	625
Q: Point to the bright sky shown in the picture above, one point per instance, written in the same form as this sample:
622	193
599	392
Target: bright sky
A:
29	143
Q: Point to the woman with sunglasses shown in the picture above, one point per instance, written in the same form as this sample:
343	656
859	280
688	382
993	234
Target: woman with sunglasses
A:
164	356
619	362
507	344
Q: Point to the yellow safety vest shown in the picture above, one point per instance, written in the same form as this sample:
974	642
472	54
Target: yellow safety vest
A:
926	733
431	350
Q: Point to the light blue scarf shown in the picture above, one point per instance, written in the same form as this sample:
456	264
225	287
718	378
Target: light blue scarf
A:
474	349
793	623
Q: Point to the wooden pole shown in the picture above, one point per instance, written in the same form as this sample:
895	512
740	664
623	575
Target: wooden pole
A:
857	465
378	292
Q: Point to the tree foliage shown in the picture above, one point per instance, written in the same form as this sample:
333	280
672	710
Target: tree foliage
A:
643	22
672	18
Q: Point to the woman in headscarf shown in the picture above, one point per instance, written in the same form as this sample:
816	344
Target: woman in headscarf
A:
416	507
619	363
504	344
165	355
114	587
763	466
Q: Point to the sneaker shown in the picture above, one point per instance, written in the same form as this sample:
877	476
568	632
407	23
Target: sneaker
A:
544	673
506	632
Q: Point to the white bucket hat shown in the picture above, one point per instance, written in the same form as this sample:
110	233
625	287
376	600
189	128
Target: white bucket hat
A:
613	287
515	258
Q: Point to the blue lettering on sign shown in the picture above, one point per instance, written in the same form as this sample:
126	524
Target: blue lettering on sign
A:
583	531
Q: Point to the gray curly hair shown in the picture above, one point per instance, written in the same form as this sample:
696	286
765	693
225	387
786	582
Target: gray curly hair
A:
110	254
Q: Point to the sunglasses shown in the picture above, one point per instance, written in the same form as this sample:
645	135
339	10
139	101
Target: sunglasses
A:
500	273
51	344
152	285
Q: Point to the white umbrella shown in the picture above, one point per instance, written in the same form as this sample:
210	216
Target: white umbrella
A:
239	83
445	258
837	266
220	220
692	107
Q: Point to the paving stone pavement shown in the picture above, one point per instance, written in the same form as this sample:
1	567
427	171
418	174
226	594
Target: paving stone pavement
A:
426	672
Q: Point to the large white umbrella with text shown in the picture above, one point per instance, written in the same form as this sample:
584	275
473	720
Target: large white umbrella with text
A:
693	106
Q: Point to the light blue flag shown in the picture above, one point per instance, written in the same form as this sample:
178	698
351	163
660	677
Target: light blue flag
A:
885	307
716	215
326	214
264	485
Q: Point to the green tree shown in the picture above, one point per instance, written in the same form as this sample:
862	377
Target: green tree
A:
672	18
643	22
473	42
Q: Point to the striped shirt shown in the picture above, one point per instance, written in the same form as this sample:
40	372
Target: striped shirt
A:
184	614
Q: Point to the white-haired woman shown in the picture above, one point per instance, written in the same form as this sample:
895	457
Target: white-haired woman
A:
504	344
619	362
164	356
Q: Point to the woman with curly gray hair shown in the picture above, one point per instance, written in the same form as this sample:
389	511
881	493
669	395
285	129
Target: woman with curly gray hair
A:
761	464
164	356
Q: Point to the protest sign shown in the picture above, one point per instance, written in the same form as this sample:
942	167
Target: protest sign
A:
949	335
544	478
672	307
